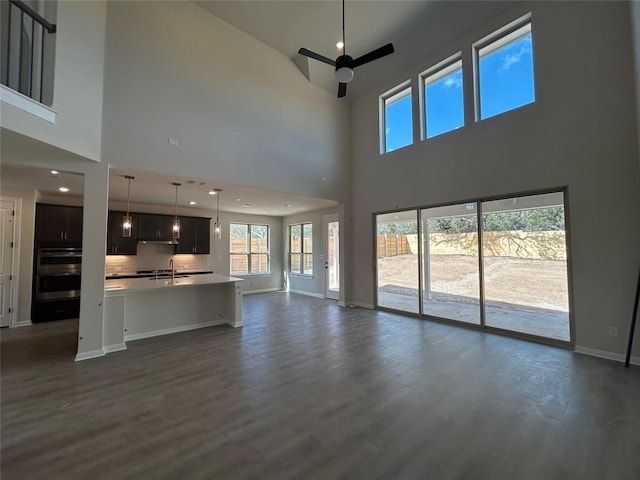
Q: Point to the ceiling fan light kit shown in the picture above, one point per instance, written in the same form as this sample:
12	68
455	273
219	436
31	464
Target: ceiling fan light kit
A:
344	74
345	64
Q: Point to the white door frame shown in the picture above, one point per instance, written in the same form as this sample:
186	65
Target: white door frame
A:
326	219
15	258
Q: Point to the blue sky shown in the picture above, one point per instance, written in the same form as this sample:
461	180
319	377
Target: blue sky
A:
506	82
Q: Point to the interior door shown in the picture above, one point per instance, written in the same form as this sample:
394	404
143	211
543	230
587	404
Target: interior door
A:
332	256
6	261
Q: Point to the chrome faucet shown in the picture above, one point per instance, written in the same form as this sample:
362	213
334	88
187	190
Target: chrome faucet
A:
173	272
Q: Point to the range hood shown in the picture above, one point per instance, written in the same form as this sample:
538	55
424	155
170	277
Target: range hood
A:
158	241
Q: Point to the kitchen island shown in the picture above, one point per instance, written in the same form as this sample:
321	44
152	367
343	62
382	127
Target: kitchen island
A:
146	307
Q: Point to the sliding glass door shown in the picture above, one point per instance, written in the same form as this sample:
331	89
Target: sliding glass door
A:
397	261
524	259
499	264
451	269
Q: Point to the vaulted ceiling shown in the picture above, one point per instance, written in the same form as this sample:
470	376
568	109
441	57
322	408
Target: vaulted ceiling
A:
317	25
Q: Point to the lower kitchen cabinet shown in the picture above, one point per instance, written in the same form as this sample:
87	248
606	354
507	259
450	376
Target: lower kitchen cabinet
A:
55	310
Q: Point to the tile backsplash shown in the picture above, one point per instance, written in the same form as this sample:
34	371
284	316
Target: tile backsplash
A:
151	256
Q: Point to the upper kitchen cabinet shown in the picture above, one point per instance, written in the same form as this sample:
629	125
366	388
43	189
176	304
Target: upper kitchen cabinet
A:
116	243
195	235
57	224
154	227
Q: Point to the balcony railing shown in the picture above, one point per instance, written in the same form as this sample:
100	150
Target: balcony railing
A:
27	52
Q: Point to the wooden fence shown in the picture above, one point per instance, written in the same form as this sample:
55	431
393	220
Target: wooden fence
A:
392	244
548	245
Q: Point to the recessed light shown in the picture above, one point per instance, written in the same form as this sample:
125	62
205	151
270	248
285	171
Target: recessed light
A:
63	189
54	172
192	202
287	205
340	45
237	199
212	192
247	205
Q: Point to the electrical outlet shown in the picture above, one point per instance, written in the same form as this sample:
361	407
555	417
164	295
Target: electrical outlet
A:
173	141
613	331
118	269
185	266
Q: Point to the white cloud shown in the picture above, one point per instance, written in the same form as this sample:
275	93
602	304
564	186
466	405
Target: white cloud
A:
453	81
511	58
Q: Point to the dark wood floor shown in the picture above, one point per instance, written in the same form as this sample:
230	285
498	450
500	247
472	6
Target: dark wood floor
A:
311	390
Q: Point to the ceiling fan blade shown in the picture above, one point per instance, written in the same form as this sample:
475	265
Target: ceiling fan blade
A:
342	89
316	56
374	55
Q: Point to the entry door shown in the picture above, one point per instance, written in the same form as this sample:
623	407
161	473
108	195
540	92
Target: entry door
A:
332	256
6	262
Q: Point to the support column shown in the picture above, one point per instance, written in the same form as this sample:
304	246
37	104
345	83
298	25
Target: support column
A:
94	243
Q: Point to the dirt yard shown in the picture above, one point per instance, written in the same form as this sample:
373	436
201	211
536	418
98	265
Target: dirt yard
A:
531	282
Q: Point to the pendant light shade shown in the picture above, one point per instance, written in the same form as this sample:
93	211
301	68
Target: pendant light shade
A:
217	228
175	230
127	221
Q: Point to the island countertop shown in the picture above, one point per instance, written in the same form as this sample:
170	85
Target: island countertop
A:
146	283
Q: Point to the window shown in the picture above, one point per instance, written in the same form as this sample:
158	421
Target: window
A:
249	249
443	98
396	118
504	66
301	248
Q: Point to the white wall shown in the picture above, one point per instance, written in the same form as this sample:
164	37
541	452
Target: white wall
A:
241	112
634	5
78	83
580	132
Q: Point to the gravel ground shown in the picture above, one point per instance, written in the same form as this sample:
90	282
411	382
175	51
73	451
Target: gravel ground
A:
530	282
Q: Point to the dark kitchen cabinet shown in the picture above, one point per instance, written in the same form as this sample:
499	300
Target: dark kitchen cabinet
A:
58	224
154	227
116	243
195	235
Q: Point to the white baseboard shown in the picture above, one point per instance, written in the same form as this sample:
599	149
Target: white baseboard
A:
24	323
342	304
88	355
168	331
115	348
618	357
361	305
261	290
309	294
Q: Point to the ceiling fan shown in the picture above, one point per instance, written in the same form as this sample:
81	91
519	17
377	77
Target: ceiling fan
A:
345	64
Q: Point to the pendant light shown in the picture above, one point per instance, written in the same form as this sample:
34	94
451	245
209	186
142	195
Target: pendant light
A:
175	230
127	221
217	228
